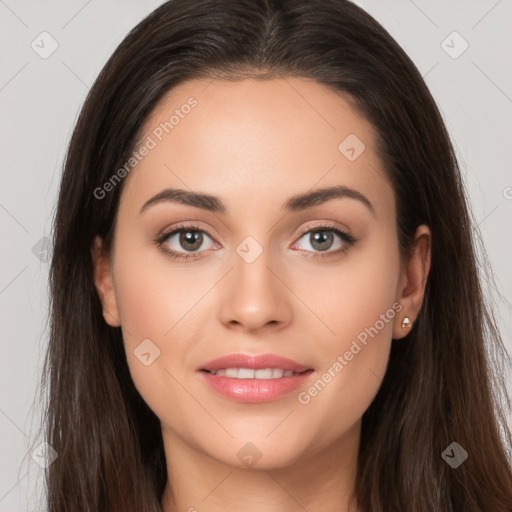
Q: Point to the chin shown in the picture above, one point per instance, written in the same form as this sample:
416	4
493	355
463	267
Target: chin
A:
258	454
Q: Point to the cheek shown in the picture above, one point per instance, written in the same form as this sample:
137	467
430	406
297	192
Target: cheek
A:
368	309
351	295
149	312
360	308
143	301
150	291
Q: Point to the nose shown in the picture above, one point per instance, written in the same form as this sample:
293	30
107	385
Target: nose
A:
255	295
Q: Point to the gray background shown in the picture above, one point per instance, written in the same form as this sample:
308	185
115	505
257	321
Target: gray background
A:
40	99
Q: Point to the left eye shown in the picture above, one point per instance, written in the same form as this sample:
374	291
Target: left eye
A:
321	239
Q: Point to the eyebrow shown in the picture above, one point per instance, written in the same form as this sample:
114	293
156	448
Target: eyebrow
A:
295	203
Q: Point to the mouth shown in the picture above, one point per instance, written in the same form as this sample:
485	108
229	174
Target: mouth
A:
251	373
253	379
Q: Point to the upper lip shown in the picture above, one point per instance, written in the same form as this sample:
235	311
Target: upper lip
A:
256	362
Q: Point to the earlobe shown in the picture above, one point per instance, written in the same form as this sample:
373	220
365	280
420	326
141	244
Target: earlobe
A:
104	283
413	280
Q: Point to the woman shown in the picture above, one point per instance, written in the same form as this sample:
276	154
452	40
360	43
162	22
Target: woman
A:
320	345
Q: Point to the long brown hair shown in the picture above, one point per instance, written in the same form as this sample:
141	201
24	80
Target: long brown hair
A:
443	382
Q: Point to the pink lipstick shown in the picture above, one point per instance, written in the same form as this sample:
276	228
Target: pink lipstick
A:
254	379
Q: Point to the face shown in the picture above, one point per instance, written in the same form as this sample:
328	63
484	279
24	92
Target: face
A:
254	270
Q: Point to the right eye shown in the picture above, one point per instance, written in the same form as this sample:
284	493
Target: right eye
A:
181	239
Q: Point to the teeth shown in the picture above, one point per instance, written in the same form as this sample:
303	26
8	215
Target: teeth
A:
248	373
263	374
231	372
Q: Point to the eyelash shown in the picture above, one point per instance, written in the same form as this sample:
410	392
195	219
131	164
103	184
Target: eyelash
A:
349	240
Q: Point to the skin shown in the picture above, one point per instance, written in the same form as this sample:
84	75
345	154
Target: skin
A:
254	144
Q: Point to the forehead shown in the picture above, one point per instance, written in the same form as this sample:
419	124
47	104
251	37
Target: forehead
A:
256	139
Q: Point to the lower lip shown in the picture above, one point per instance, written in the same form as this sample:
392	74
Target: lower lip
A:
255	390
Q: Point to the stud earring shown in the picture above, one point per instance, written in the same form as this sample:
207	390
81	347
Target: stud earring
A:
406	323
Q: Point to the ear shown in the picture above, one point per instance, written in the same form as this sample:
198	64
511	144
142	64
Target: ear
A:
413	278
104	282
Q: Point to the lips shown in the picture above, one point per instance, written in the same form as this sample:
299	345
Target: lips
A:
254	379
259	362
